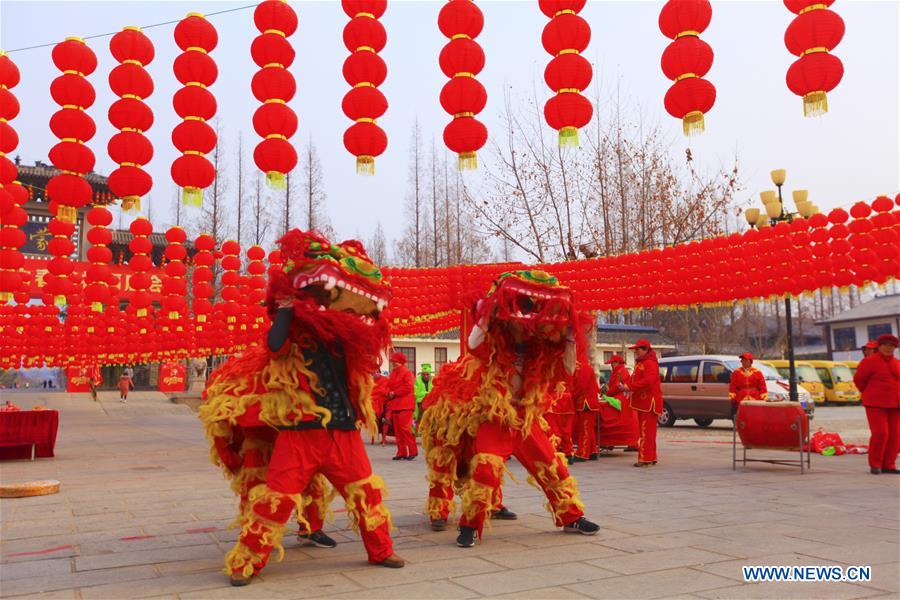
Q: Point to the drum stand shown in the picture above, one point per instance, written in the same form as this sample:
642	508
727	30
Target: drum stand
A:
804	462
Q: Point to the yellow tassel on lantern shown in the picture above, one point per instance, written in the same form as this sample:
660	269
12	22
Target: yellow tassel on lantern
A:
201	318
97	306
142	312
276	180
173	315
815	104
4	297
692	123
66	214
59	300
365	165
192	196
568	136
131	204
467	161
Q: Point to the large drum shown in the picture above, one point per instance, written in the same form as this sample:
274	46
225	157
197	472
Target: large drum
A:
772	425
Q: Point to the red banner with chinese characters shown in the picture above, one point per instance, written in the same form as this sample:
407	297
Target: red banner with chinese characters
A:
35	269
172	377
78	379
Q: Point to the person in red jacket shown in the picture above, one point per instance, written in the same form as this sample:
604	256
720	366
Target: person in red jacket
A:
585	396
747	383
869	348
878	378
401	404
628	422
561	418
646	399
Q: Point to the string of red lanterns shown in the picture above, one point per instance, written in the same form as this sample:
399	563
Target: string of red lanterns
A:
130	149
811	36
274	86
686	61
12	194
196	105
463	97
364	37
565	37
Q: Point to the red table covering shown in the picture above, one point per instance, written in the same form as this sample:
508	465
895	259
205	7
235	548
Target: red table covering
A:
617	428
26	427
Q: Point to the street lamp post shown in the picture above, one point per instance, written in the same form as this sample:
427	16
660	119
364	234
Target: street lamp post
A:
775	213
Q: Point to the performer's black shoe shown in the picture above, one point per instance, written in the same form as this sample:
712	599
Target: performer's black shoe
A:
570	459
317	538
439	525
630	449
466	537
576	459
504	514
411	457
593	456
875	471
239	580
582	526
399	458
894	471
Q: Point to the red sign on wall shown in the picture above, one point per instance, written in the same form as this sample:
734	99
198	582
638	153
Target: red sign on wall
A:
78	378
172	377
35	269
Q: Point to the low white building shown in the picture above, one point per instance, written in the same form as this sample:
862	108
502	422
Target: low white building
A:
436	351
846	332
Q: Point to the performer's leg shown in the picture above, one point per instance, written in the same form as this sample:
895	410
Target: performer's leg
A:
269	506
349	471
879	434
582	426
442	461
567	424
406	423
493	445
550	473
399	419
591	430
647	440
630	421
893	443
316	498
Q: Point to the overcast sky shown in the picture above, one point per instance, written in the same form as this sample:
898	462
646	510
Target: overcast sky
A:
849	154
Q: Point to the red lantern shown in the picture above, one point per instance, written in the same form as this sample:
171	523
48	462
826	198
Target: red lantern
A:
811	36
463	97
68	191
196	71
13	218
96	290
686	61
364	36
130	148
565	37
274	86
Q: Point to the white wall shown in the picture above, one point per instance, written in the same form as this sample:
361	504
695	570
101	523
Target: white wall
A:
425	350
862	336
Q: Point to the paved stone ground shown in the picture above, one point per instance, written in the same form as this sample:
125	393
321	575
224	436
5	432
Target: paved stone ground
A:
142	513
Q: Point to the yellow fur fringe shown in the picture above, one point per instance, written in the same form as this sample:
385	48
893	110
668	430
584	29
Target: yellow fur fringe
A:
373	516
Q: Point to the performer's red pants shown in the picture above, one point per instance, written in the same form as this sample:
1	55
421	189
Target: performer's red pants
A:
586	433
561	428
406	441
298	455
646	436
492	446
884	443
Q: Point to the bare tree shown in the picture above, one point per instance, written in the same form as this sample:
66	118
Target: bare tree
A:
412	247
287	200
314	193
240	186
261	218
377	246
214	212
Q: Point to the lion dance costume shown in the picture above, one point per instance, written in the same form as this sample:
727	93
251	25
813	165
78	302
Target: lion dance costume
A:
286	414
489	406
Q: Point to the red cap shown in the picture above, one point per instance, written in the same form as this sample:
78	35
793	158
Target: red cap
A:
615	358
641	344
398	357
887	338
746	355
871	344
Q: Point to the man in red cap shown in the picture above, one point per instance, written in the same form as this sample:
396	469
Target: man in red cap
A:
748	382
401	404
869	348
878	378
617	388
646	399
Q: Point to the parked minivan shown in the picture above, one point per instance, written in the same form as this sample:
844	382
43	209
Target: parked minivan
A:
838	381
696	387
807	376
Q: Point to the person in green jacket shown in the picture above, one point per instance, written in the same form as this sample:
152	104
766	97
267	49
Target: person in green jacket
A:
422	387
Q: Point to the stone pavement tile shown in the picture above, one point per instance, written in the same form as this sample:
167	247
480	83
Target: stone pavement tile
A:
859	554
57	595
784	590
652	527
660	584
644	515
837	533
446	548
573	552
760	545
644	543
192	566
658	560
885	577
145	557
36	568
32	585
557	537
138	543
38	529
413	572
732	568
747	516
551	593
155	587
433	590
28	551
317	586
517	580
